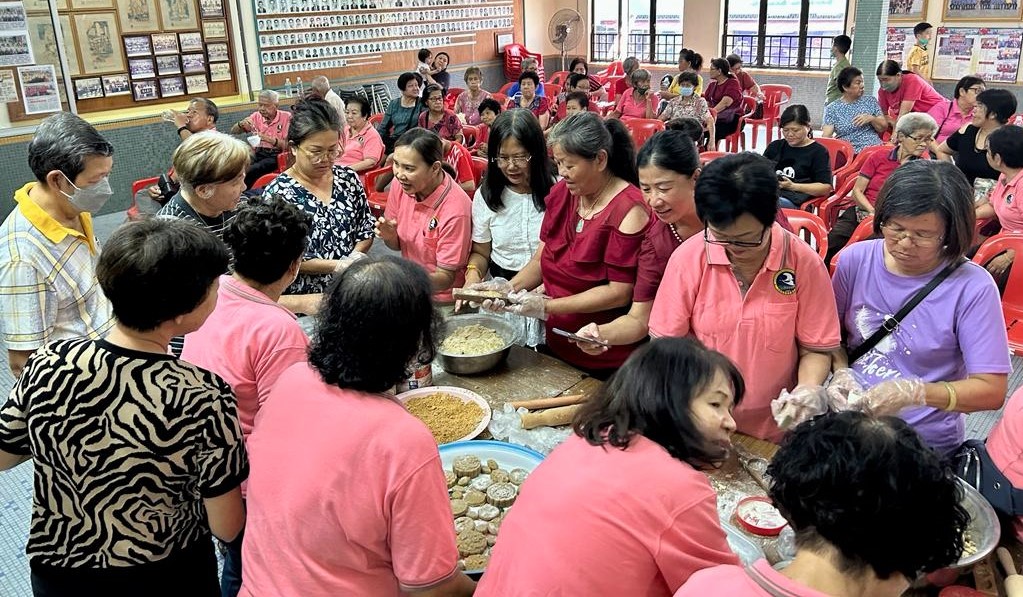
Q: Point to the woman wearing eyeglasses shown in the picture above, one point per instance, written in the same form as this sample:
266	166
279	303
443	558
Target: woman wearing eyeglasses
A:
914	134
437	118
949	355
750	290
331	194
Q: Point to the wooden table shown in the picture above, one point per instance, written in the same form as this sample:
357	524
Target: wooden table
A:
525	374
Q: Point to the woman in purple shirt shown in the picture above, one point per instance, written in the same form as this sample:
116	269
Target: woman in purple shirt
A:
949	355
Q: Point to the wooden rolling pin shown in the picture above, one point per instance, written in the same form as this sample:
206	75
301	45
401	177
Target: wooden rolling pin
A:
1013	581
552	417
540	403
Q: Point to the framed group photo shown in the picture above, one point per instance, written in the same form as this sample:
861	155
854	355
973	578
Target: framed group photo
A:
168	65
141	68
193	63
907	10
172	86
217	52
165	43
144	90
190	41
116	85
90	88
98	45
220	71
211	9
196	84
137	45
981	10
214	29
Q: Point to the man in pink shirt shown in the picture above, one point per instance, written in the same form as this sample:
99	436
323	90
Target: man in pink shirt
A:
872	508
249	339
270	124
751	290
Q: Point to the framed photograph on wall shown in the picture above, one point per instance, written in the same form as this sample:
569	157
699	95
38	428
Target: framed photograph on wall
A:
190	42
137	45
172	86
211	9
141	68
193	63
168	65
73	61
144	90
116	85
220	71
90	88
98	38
214	29
91	4
196	84
217	52
165	43
138	16
44	42
980	10
178	14
907	10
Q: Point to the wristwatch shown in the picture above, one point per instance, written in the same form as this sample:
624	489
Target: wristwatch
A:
182	128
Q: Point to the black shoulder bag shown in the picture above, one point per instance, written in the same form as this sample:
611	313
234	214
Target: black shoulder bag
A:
890	323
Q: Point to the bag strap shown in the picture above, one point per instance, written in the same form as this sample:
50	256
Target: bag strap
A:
890	323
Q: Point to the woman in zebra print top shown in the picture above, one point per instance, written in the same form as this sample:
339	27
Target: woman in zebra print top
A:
138	456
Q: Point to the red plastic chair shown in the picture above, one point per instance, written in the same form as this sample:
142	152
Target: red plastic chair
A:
376	118
642	129
551	90
469	132
377	199
283	161
735	140
840	150
264	180
136	187
853	168
863	231
500	98
504	88
513	55
845	177
479	168
1012	298
614	71
449	99
709	156
808	227
830	208
559	78
775	96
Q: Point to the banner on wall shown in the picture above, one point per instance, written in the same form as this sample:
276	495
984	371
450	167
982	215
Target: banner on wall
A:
898	43
991	54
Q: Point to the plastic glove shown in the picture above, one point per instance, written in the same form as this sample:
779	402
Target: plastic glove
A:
890	397
801	404
497	284
347	261
527	304
843	388
590	330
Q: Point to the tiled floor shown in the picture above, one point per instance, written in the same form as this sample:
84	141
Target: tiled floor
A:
16	484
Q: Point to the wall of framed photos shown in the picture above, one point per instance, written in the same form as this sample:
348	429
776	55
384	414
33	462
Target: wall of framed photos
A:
120	53
355	39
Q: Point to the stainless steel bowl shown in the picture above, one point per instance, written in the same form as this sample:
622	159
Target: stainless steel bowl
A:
468	365
984	528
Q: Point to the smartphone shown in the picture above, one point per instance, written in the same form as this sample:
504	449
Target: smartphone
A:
579	338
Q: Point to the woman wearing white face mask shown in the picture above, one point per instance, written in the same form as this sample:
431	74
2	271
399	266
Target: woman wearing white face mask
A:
688	103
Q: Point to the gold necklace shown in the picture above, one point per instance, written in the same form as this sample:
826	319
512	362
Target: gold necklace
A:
593	206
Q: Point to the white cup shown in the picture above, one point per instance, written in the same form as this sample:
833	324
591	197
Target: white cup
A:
253	140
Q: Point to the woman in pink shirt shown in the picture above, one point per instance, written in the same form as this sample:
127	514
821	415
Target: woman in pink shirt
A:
903	92
640	101
1004	154
623	507
872	508
362	146
428	216
347	493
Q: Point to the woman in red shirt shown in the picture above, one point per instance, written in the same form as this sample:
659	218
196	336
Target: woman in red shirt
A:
724	95
590	239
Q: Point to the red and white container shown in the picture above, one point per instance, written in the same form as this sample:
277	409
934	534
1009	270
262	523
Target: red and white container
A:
759	516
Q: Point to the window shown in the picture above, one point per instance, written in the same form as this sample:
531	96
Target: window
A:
793	34
636	28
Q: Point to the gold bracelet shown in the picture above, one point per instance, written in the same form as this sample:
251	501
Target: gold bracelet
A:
952	397
472	266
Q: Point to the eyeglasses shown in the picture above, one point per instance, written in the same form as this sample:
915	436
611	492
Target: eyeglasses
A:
896	234
976	89
921	140
518	161
749	244
319	156
435	98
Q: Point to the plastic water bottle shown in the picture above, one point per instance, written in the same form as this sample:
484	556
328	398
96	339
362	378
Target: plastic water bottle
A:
287	87
301	87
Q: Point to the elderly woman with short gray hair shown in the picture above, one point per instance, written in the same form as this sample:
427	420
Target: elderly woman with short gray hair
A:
914	133
270	125
641	102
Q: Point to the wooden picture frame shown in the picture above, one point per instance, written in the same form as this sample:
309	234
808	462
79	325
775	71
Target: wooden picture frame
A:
196	84
193	63
220	71
74	61
190	41
137	45
91	4
211	9
43	40
218	52
145	90
114	85
214	29
168	65
90	88
99	43
165	43
907	10
176	15
141	68
950	13
138	16
172	86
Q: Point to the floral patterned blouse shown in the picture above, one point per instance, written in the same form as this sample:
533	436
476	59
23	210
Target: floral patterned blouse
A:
336	227
470	107
693	107
539	106
448	127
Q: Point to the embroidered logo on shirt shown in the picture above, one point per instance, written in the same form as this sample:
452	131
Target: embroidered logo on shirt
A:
785	281
1008	199
433	223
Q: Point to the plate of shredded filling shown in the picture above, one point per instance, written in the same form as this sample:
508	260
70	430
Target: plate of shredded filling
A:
452	414
483	479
